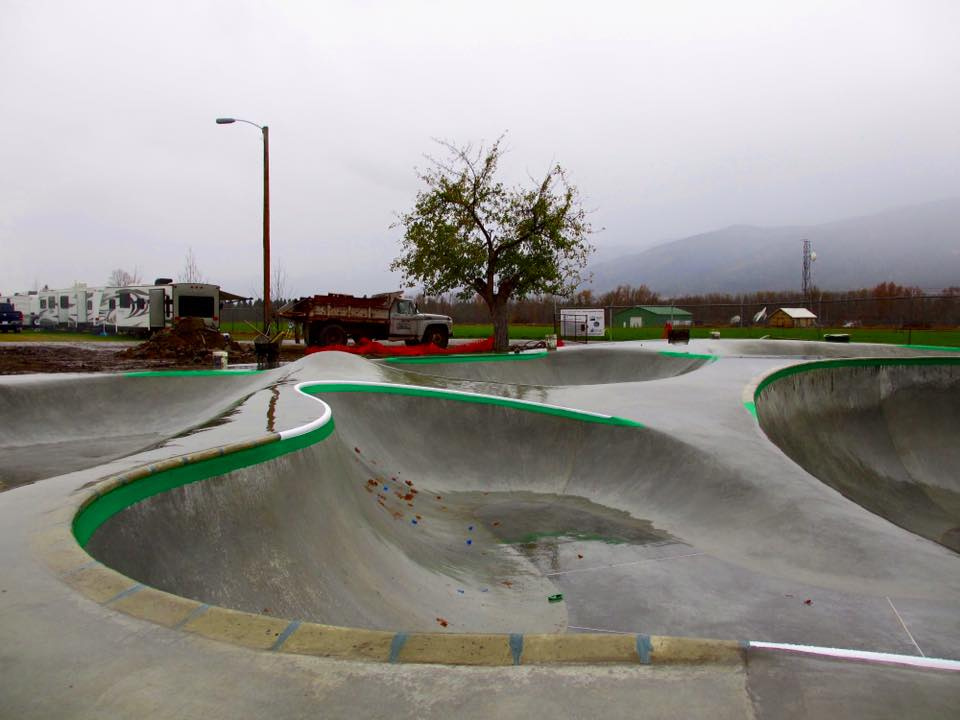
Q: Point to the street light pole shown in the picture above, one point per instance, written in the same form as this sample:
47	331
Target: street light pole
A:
266	231
266	215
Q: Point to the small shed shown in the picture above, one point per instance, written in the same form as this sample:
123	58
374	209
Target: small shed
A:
652	315
792	318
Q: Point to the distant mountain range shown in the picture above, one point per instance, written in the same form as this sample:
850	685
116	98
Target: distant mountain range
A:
916	246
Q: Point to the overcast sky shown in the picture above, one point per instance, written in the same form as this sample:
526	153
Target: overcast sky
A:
672	117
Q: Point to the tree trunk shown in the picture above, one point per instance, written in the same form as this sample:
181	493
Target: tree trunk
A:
501	332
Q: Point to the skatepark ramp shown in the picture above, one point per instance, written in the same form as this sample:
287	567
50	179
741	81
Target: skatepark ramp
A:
401	519
882	431
570	366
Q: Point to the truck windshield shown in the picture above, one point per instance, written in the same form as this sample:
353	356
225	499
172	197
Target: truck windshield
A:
406	307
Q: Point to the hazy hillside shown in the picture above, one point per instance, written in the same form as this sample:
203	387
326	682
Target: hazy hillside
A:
917	245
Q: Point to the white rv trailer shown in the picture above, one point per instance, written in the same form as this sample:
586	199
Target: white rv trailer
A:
78	307
137	309
143	309
65	308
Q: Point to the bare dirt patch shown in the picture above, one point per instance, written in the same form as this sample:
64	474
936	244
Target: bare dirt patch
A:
80	357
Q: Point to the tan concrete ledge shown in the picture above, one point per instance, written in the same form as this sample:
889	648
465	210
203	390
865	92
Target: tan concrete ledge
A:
56	545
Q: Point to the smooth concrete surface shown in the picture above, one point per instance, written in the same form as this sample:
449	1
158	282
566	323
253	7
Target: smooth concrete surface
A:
886	436
606	363
695	524
59	423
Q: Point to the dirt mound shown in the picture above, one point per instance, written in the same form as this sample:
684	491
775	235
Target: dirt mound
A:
188	342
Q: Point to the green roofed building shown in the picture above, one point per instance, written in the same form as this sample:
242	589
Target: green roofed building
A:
651	315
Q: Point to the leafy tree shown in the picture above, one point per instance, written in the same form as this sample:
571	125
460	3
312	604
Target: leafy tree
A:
470	233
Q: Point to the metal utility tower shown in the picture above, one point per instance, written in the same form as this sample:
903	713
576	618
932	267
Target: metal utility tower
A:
807	253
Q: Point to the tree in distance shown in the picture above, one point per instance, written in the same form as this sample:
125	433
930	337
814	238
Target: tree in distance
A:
471	234
122	278
191	269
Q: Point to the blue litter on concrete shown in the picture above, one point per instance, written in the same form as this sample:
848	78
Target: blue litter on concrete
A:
413	522
460	591
516	647
469	541
644	648
396	645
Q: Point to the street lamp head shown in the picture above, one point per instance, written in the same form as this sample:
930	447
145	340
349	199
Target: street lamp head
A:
225	121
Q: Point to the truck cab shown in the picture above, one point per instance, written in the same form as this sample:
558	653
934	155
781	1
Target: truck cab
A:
408	323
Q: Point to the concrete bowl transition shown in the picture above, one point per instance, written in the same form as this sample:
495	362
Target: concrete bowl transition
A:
594	365
430	511
885	433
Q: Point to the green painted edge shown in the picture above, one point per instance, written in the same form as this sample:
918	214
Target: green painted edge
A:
845	362
321	387
113	501
696	356
944	348
482	357
98	511
189	373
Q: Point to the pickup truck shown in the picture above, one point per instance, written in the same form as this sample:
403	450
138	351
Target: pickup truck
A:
10	319
333	319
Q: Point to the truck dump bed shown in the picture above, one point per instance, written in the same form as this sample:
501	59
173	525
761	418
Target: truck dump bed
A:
343	307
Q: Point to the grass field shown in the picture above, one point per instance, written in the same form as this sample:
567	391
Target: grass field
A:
243	331
60	336
943	338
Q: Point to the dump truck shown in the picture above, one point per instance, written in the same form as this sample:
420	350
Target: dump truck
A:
333	319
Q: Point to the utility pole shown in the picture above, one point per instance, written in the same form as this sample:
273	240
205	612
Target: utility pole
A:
808	257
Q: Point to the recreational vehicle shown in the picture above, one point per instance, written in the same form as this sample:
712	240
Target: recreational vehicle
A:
137	309
142	309
76	308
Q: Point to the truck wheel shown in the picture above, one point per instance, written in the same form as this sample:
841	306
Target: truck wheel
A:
437	335
333	335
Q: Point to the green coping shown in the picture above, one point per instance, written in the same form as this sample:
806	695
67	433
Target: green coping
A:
119	498
848	362
696	356
190	373
481	357
105	506
578	415
938	348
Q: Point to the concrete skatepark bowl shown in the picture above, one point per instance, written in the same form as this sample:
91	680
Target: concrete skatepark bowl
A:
557	515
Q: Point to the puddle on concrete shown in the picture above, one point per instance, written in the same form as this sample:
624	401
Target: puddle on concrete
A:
532	393
538	524
247	415
219	420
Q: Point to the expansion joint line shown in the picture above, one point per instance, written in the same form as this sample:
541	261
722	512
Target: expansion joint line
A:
905	629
